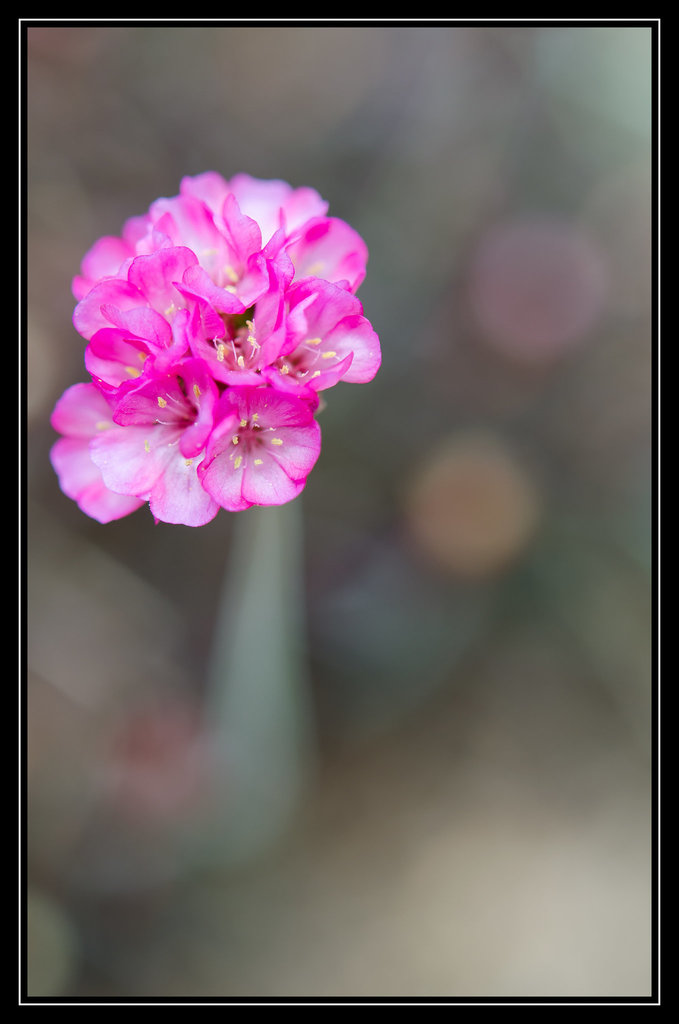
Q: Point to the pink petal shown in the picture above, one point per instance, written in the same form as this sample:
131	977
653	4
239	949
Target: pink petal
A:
261	200
104	259
265	201
202	394
299	452
210	187
81	481
268	483
190	223
88	317
132	458
81	411
112	359
156	399
354	334
303	204
243	233
197	283
328	248
220	475
273	409
154	276
141	324
178	496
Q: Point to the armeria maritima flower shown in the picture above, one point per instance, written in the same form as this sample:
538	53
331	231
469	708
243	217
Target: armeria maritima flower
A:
211	325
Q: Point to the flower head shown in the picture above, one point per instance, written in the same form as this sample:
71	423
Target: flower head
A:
211	324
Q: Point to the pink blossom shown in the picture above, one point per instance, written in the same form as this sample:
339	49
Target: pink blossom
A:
212	323
243	346
158	438
263	448
328	340
80	415
272	204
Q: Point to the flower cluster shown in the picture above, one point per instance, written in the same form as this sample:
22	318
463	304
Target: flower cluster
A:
212	323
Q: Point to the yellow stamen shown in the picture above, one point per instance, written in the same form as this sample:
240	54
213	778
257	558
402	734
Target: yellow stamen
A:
241	362
133	371
221	349
285	369
235	439
196	390
258	462
276	440
237	461
103	425
328	355
243	423
314	341
161	402
187	462
147	447
231	273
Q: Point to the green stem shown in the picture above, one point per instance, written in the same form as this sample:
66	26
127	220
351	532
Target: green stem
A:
258	702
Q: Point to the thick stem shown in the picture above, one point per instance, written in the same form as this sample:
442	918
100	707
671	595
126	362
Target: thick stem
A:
258	700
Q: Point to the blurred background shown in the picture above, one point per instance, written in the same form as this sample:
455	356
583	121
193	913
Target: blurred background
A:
458	704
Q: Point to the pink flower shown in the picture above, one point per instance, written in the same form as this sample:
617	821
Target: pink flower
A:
263	448
211	324
80	415
272	204
154	449
243	346
328	340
